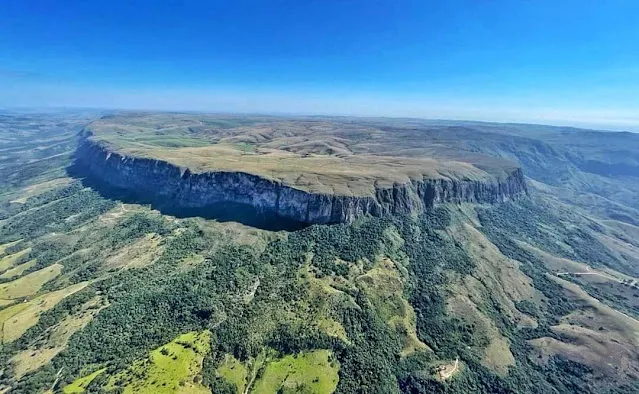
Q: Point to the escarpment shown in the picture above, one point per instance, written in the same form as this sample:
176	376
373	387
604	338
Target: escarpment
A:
186	188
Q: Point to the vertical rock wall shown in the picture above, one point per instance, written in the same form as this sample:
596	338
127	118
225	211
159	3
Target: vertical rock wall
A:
163	180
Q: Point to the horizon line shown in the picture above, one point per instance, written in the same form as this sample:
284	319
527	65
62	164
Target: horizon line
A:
577	125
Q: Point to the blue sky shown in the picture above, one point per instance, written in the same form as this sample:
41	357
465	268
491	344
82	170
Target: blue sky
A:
562	61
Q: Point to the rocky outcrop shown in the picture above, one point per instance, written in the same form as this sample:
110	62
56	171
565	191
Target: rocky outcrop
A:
164	180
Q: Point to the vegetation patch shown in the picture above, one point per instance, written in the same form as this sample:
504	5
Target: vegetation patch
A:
174	367
4	247
29	284
576	330
80	385
306	372
38	188
385	288
322	295
17	319
138	254
18	270
50	343
233	372
10	260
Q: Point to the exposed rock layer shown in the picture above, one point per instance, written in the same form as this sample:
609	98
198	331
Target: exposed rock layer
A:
163	180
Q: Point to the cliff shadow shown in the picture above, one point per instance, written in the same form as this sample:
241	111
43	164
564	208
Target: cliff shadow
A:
221	212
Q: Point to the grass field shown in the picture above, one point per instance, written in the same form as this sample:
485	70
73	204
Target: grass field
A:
9	261
29	284
79	385
17	319
18	270
172	368
306	372
233	371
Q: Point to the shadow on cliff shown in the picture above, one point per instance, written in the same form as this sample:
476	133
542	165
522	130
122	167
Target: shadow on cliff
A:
224	212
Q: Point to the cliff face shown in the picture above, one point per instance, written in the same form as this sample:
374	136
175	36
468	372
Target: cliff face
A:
189	190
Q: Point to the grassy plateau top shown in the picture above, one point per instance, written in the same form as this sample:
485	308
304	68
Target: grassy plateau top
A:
342	156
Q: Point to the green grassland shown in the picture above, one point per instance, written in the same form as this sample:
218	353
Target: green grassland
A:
79	386
171	368
305	372
11	260
29	284
310	372
18	270
18	318
234	372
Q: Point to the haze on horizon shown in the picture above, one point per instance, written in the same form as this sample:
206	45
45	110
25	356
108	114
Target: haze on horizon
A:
567	63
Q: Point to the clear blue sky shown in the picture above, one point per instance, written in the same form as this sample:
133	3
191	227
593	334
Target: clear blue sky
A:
561	61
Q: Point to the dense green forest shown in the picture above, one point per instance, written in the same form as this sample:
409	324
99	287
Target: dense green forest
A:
151	306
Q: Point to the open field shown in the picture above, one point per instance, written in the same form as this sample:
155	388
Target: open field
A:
9	261
18	270
79	385
17	319
172	368
29	284
310	372
234	372
305	372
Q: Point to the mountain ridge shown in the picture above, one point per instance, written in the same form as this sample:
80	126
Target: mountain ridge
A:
193	190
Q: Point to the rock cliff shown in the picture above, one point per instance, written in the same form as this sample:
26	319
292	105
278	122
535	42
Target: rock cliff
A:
165	181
